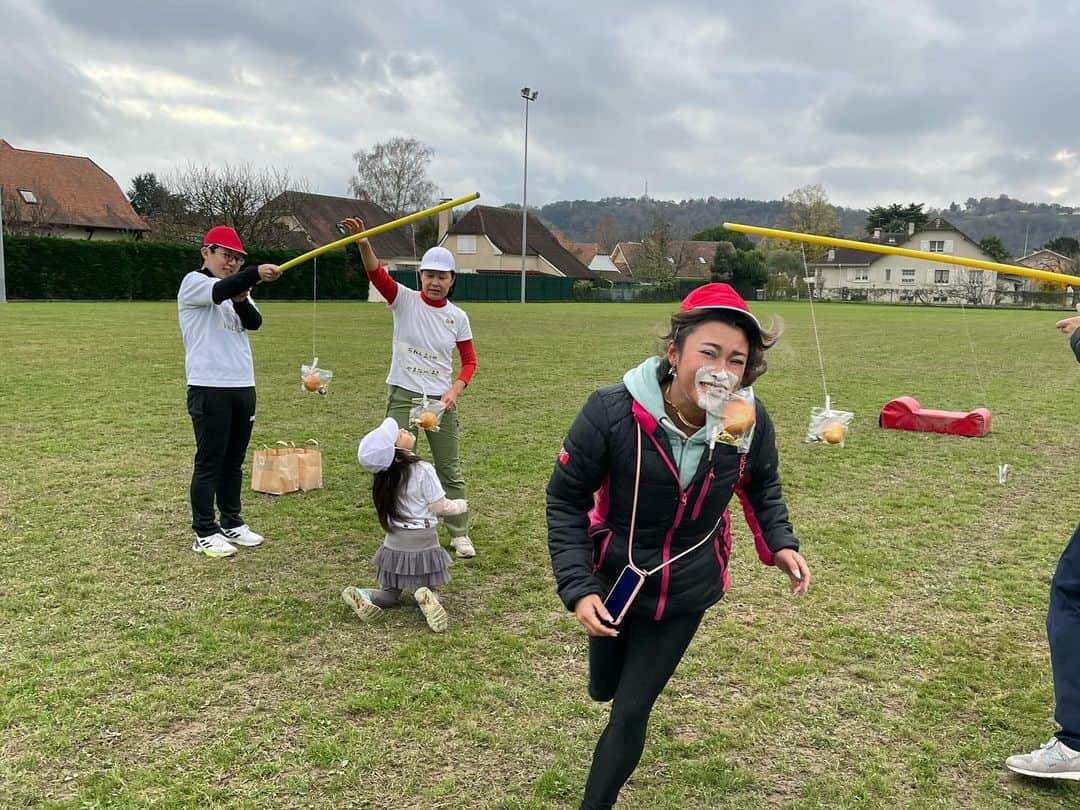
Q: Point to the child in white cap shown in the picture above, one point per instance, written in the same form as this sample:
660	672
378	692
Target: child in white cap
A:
409	501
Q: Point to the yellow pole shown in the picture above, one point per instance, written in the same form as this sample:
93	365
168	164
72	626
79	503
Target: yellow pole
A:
874	247
389	226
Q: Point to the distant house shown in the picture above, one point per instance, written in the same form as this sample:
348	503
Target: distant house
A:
689	258
848	274
1043	259
63	196
593	256
1050	261
311	220
488	240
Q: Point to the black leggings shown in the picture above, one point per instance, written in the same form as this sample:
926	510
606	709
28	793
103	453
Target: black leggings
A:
632	668
222	418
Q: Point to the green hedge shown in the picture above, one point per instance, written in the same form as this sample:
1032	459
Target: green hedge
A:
126	270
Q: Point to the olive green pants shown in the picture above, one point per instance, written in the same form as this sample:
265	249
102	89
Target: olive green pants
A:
444	452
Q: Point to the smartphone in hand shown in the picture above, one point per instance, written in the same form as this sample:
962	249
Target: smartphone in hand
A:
622	593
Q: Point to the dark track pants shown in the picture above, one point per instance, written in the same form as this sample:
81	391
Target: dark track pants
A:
222	418
632	669
1063	633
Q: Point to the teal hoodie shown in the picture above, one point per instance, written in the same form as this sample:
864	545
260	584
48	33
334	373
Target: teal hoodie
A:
686	451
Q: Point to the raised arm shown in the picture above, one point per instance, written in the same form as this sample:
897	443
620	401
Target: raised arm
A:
376	273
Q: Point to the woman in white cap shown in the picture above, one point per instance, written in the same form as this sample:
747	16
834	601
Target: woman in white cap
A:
428	327
638	527
409	502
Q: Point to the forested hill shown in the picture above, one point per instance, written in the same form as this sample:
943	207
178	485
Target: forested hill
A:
625	219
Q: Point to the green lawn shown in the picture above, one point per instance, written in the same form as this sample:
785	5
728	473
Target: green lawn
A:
134	673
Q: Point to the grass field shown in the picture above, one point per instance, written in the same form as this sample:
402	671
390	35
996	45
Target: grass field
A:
134	673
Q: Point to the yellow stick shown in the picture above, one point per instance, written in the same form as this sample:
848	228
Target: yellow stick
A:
874	247
389	226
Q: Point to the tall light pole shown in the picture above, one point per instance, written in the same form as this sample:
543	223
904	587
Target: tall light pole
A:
529	95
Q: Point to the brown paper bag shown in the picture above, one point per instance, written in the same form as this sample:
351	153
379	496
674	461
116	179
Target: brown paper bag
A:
310	463
276	470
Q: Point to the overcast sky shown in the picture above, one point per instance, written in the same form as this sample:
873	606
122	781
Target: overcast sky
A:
927	101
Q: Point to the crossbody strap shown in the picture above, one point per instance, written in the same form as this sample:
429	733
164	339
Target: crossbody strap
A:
633	516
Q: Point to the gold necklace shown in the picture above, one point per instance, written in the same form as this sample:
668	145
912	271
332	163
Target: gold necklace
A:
678	413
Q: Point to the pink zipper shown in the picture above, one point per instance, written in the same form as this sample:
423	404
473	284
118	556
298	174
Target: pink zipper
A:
665	573
706	485
603	551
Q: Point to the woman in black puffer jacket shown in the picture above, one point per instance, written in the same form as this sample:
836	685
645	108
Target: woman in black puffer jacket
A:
641	485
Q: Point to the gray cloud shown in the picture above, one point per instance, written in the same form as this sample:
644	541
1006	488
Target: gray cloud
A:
931	100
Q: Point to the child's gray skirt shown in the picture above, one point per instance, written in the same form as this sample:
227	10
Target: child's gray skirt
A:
412	558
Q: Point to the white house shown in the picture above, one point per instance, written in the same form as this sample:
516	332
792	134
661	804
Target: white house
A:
847	274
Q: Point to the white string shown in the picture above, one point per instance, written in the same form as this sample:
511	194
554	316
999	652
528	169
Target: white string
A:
1003	469
314	301
813	320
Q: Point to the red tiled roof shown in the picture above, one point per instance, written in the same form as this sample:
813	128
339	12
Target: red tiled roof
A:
584	252
503	227
71	190
319	214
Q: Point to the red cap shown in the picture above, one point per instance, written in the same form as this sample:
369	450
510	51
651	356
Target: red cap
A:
224	236
717	296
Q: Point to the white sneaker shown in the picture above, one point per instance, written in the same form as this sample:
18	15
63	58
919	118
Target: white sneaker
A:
432	608
360	602
1053	760
243	536
463	546
214	545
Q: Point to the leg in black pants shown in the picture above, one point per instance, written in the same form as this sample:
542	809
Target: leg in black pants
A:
222	418
232	473
1063	633
632	668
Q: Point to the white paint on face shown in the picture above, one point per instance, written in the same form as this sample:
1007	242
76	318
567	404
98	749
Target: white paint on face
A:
714	388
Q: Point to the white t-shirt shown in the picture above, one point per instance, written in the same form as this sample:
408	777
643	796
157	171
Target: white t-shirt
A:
414	501
217	353
424	341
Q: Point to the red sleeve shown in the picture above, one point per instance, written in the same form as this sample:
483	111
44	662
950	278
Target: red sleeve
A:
468	360
384	283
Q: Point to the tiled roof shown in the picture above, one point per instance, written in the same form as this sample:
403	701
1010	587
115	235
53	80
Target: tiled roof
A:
71	190
503	227
319	214
584	252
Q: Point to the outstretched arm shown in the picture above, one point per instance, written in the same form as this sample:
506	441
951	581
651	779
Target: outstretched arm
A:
1071	327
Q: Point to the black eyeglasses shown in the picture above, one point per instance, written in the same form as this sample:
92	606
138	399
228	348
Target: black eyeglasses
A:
227	254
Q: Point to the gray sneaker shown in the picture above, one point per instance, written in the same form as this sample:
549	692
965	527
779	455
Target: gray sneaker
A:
360	601
1054	760
463	546
432	608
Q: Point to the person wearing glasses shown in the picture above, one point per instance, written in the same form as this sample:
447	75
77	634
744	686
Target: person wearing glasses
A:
216	312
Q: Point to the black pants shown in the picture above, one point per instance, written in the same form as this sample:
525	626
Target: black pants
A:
632	669
1063	633
222	418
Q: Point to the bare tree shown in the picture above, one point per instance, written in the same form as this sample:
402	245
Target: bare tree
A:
807	210
393	174
606	233
657	261
969	286
23	218
250	199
